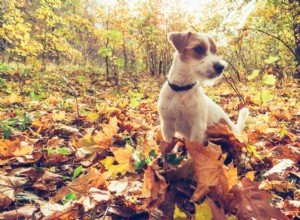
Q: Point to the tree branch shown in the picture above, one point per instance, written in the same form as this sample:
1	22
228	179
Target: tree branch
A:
277	38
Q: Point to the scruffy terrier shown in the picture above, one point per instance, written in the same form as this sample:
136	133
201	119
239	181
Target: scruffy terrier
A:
184	109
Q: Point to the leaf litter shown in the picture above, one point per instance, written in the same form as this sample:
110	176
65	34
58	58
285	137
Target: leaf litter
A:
108	161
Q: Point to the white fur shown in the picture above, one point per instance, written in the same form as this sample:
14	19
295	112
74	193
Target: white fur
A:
188	113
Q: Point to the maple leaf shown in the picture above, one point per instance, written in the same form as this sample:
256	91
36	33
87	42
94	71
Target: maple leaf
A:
81	185
124	158
8	187
210	173
154	187
104	137
250	203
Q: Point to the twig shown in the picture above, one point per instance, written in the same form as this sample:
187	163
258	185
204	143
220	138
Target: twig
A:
236	90
194	28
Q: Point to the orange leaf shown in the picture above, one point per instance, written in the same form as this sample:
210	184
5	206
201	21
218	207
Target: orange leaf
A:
104	138
210	173
154	187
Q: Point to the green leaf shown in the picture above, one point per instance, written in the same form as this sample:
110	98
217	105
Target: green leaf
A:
140	164
271	60
63	151
269	80
134	102
77	171
173	159
6	133
70	197
253	75
265	96
49	150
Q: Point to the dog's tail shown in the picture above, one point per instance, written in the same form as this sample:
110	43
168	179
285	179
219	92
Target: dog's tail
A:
243	116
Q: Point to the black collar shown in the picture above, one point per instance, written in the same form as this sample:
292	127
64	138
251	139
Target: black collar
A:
177	88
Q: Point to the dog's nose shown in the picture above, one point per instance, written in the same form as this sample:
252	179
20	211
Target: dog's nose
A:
218	67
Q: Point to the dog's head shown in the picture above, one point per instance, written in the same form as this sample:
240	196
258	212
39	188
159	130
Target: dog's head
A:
198	51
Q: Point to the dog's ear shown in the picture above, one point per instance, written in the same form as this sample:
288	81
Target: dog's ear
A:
179	40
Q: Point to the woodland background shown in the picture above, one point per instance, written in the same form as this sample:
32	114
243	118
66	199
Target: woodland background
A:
79	128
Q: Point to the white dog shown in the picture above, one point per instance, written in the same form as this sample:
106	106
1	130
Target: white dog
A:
183	107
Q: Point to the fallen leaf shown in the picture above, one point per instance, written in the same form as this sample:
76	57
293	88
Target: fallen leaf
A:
8	187
154	187
81	185
179	215
250	203
203	211
279	186
104	138
279	168
58	115
60	212
210	173
124	159
93	198
25	212
12	99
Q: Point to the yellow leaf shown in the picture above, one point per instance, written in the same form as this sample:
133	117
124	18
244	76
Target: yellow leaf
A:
12	99
59	116
178	215
250	175
124	159
92	117
203	211
86	141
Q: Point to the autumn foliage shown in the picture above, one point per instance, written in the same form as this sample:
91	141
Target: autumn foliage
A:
80	134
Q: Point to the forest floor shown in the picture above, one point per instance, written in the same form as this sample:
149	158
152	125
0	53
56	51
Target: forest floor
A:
74	146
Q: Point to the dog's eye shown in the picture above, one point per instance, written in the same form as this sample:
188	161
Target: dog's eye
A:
199	50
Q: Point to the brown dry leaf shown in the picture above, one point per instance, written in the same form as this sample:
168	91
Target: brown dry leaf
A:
93	198
81	185
250	203
59	212
154	187
8	186
25	212
210	173
47	181
105	137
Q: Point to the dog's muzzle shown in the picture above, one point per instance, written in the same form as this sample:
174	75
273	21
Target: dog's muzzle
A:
218	67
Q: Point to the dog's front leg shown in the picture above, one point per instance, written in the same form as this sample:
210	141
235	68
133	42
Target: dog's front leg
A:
198	132
168	129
